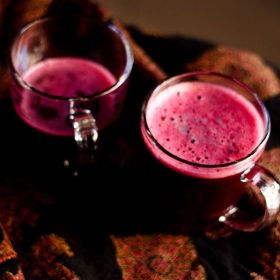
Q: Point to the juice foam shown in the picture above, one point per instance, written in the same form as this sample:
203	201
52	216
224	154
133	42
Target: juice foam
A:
203	123
67	78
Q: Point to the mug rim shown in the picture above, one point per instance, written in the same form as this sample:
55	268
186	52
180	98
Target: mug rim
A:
180	78
109	25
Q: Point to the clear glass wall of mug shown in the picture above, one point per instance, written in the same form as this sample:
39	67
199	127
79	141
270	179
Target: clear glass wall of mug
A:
212	128
69	77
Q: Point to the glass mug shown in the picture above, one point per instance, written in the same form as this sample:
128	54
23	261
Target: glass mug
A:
212	129
70	77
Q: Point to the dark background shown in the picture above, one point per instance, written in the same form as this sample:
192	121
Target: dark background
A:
250	24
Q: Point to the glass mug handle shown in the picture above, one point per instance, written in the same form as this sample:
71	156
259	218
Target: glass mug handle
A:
85	134
264	184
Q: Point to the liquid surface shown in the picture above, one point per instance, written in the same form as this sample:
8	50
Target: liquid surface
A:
69	77
64	77
203	123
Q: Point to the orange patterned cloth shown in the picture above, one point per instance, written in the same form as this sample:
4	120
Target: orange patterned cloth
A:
8	259
57	228
158	257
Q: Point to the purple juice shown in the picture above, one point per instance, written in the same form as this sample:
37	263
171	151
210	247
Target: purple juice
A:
53	82
204	124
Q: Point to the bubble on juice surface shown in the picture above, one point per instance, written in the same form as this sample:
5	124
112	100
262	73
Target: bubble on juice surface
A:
205	123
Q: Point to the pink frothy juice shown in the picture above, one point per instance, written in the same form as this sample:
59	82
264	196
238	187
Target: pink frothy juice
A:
212	129
64	78
202	129
68	72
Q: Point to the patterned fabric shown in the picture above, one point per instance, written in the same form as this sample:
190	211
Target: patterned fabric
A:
20	212
56	227
45	255
9	268
158	257
246	66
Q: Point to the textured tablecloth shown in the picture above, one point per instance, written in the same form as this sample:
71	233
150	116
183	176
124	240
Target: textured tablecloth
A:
102	225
